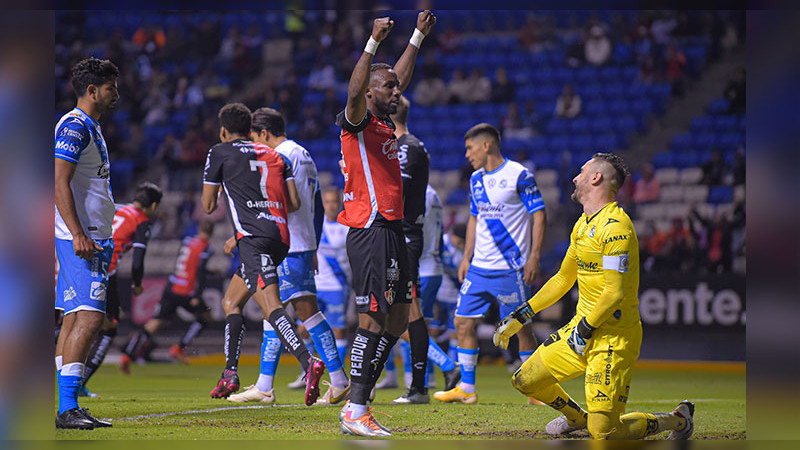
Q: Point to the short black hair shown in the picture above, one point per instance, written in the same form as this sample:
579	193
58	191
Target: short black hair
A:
92	71
236	118
147	193
268	119
379	66
620	169
483	128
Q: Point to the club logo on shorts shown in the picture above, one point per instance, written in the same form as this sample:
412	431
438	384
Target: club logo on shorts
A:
98	291
392	272
389	296
70	294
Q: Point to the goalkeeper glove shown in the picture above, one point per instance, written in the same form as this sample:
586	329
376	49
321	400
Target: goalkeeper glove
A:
582	332
511	324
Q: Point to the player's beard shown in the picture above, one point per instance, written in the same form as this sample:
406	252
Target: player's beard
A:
574	196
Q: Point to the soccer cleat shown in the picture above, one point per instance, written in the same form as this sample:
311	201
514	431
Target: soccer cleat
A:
372	395
686	411
452	378
125	364
334	394
85	392
412	397
389	381
299	382
74	419
343	411
560	426
366	425
97	422
178	354
253	394
226	385
456	395
315	370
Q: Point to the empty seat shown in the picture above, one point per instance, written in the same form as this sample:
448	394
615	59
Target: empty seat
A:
691	175
671	193
704	141
695	193
667	175
663	159
674	210
702	124
720	194
725	123
681	142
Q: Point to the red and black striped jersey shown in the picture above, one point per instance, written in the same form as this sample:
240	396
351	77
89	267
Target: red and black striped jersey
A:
131	228
192	258
253	177
373	187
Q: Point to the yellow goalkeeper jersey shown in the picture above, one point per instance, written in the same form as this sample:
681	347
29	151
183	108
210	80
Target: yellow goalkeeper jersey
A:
603	255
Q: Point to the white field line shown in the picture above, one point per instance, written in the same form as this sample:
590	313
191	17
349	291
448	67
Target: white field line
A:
201	411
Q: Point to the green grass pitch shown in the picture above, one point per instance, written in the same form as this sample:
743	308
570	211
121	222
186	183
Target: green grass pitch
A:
170	401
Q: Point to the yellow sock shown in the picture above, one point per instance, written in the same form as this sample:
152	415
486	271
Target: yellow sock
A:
639	425
534	380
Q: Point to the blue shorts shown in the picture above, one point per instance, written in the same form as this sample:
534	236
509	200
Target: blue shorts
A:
482	286
296	276
334	305
82	284
429	286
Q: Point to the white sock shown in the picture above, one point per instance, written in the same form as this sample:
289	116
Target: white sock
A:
59	362
407	378
467	388
339	378
356	411
72	370
264	383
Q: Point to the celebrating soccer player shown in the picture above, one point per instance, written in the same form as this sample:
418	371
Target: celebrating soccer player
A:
501	257
260	189
373	209
602	340
84	213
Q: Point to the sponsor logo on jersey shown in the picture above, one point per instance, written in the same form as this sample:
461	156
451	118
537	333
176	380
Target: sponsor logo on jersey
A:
610	239
595	378
389	148
277	219
608	359
348	196
584	265
66	146
611	220
503	183
69	294
624	260
71	133
97	291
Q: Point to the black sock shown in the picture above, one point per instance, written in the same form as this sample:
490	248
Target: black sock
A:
288	335
418	338
138	338
234	333
98	353
385	344
194	329
362	352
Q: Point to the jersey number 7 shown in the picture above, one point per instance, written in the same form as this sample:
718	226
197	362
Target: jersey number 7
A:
255	165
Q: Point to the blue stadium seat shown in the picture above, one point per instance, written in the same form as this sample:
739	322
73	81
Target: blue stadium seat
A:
681	142
581	143
718	106
704	141
614	90
660	90
630	73
595	107
557	126
578	125
625	123
457	197
643	106
663	159
619	106
731	140
687	158
547	92
742	123
611	74
623	54
725	123
634	91
563	75
558	143
702	124
600	124
591	91
538	146
606	142
588	74
720	194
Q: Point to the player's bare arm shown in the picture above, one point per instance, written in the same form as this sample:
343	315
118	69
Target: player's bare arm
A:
359	81
230	244
209	197
292	197
531	270
84	246
404	67
469	248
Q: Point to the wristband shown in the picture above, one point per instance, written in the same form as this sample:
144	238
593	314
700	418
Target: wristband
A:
416	38
583	329
524	313
372	46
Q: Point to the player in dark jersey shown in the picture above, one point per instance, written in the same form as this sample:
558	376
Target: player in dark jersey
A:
184	289
415	164
373	209
260	191
131	230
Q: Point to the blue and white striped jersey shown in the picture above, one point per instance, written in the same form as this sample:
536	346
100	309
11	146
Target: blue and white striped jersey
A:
503	200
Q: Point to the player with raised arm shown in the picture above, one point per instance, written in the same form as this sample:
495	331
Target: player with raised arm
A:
296	272
602	340
84	212
373	209
184	290
260	190
501	256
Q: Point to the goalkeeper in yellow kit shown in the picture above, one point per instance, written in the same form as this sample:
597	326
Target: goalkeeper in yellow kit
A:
602	341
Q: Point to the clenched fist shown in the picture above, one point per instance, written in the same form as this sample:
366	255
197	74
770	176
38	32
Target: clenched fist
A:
425	21
381	28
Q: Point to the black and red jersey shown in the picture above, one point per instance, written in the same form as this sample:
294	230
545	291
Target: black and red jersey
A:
414	164
373	187
190	267
131	228
253	177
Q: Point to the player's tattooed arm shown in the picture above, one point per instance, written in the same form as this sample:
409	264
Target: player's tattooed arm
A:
83	245
404	67
356	106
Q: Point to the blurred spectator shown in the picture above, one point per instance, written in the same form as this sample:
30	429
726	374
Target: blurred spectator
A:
647	71
502	89
648	189
207	39
531	118
449	40
523	158
739	167
322	76
149	38
651	247
736	93
480	88
458	88
195	149
431	90
157	106
568	104
330	107
680	250
597	48
642	44
528	35
184	220
675	67
661	28
685	26
714	169
619	28
253	43
231	46
511	125
715	238
310	124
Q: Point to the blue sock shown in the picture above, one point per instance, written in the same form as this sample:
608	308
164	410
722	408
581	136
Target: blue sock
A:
405	353
271	348
70	379
468	358
452	350
439	357
390	365
428	373
322	335
524	355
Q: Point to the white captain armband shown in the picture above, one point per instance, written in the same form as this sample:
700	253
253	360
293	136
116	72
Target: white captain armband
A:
618	263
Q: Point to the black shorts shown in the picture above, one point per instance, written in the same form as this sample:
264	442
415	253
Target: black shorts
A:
379	261
170	302
112	299
414	249
259	258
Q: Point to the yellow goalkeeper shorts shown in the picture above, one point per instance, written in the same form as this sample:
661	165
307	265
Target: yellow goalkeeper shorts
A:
607	363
